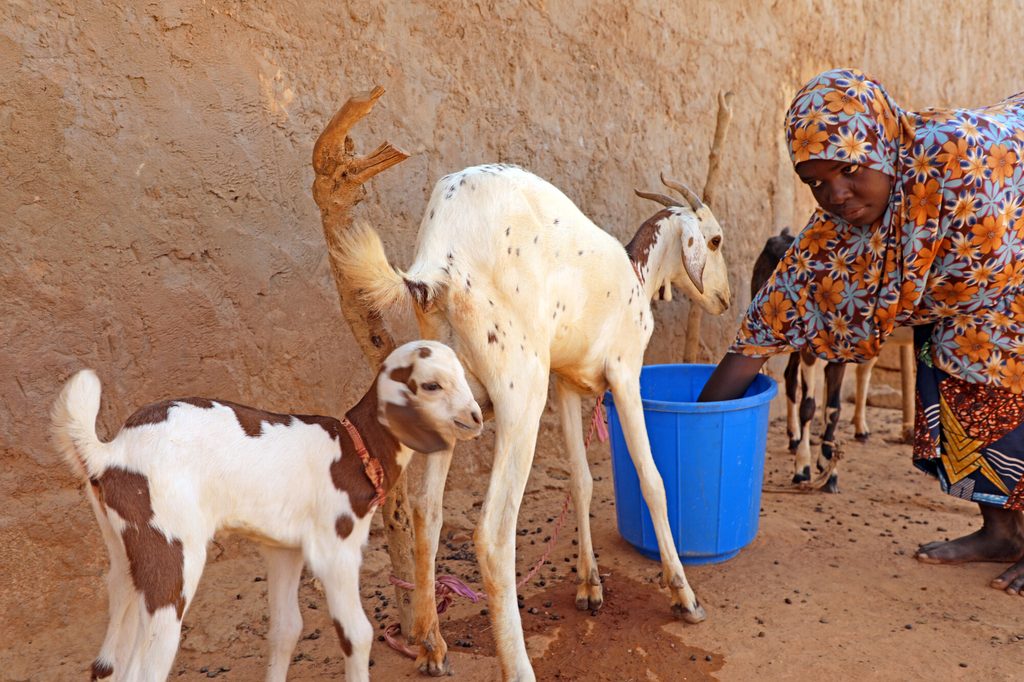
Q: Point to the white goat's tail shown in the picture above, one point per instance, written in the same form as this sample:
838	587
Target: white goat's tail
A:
360	256
74	424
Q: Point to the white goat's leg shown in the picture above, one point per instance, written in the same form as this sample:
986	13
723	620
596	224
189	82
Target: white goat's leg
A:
336	563
284	570
626	389
860	408
426	496
809	384
589	594
517	419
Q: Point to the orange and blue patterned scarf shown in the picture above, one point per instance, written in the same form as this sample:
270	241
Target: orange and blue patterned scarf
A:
949	248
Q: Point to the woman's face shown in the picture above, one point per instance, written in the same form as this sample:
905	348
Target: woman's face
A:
857	194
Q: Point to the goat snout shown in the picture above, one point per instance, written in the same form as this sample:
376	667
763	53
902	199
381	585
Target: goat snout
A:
470	422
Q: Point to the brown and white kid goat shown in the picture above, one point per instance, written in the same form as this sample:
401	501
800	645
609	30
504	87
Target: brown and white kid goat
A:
304	487
801	378
522	284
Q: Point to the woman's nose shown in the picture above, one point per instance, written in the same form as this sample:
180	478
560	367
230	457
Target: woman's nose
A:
838	193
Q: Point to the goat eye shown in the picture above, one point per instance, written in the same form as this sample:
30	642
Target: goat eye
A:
715	243
431	386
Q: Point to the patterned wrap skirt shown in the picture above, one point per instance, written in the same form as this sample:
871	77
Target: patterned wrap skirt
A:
969	436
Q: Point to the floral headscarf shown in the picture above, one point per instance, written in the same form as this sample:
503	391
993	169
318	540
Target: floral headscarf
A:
949	248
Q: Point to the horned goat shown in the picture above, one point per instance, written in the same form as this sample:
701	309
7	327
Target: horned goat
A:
304	487
524	285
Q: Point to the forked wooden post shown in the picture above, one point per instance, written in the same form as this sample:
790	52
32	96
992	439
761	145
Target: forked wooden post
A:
338	187
691	346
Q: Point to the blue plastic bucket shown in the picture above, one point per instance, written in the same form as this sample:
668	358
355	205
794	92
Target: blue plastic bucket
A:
711	459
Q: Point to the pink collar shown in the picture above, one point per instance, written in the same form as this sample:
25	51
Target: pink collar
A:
371	465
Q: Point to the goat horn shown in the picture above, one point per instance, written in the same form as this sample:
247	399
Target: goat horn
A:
660	198
691	197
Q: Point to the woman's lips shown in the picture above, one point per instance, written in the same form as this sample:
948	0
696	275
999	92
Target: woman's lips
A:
852	214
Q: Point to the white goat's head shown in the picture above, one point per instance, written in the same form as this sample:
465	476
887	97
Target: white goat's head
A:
423	397
708	281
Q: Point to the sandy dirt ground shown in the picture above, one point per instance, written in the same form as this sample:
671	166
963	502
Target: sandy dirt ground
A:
828	589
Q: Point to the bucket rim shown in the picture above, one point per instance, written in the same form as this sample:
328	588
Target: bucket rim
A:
760	398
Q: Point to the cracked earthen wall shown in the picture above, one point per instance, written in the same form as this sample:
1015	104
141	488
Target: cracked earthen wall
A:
157	222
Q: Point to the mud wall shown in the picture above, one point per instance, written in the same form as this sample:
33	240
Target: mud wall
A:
157	221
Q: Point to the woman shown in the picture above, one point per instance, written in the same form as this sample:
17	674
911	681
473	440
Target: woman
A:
921	222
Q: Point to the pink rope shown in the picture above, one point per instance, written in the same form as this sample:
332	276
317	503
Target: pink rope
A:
447	585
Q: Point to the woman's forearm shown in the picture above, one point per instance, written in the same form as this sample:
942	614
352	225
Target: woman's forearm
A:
731	378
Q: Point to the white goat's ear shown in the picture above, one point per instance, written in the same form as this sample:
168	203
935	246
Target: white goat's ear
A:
695	254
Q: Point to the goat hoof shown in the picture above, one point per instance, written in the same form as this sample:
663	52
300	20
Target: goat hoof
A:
435	669
862	437
693	616
833	484
803	475
589	603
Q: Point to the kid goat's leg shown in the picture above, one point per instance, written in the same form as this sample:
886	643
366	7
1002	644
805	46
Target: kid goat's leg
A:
808	382
860	409
626	389
121	602
425	500
336	563
589	594
834	372
159	631
284	569
791	379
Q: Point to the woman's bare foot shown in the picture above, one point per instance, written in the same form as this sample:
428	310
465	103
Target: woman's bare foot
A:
1001	539
1012	579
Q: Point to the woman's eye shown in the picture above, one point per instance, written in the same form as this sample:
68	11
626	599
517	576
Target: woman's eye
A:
851	169
814	184
431	386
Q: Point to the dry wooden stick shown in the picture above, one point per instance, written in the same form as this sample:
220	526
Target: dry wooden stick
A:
691	346
338	187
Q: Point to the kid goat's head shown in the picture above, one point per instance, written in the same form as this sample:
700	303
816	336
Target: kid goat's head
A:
423	397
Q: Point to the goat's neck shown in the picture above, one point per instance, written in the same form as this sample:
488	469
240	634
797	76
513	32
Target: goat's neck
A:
379	442
656	253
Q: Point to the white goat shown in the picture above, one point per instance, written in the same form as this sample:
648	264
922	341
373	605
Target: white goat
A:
522	284
304	487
